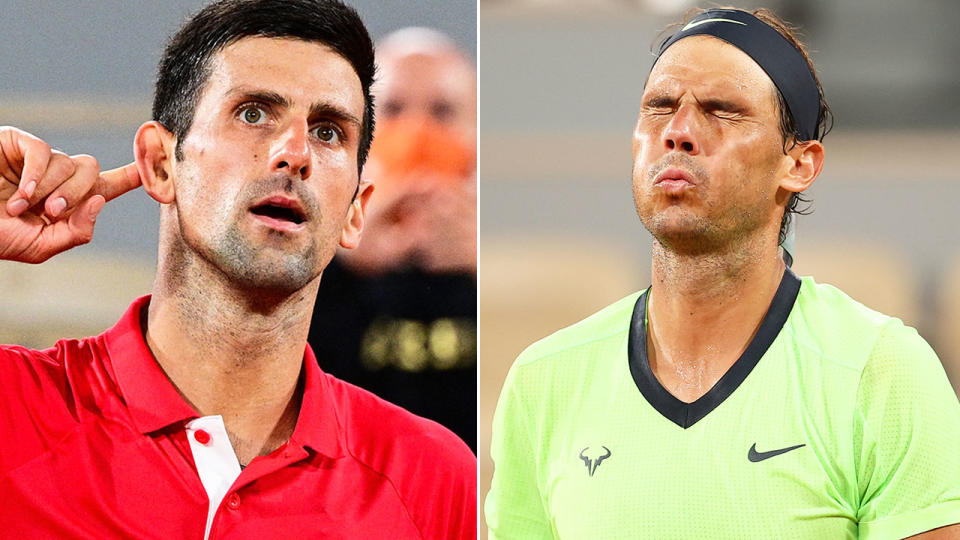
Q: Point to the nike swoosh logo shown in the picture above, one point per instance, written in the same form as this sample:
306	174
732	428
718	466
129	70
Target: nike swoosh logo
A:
755	456
694	24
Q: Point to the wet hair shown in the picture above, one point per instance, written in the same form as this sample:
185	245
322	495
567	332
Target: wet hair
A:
791	136
185	67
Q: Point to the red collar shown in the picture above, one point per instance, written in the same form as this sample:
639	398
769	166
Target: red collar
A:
154	402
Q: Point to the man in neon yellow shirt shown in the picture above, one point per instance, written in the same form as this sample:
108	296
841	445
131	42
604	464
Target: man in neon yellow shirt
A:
731	399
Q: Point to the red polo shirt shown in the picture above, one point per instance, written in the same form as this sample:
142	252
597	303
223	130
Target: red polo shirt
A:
93	445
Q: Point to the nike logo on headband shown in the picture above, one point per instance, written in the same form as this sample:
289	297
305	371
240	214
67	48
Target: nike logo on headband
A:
693	24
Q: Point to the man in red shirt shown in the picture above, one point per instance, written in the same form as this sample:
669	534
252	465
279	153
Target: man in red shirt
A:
203	413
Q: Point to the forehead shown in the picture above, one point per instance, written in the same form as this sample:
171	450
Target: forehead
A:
708	63
305	72
441	74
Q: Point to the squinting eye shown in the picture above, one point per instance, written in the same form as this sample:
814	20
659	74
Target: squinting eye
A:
253	115
657	111
327	134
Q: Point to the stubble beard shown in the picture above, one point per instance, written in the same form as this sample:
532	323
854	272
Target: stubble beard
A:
682	231
250	267
255	265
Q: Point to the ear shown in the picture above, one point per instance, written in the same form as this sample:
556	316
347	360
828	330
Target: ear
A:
804	165
153	148
356	215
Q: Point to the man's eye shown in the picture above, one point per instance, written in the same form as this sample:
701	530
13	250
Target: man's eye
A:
327	134
253	115
657	111
441	111
390	109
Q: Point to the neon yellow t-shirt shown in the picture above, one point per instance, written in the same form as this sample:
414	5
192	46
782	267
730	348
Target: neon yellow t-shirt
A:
837	422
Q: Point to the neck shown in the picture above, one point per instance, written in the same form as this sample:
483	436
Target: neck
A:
230	351
704	309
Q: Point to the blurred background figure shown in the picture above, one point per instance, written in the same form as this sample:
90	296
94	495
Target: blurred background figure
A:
402	306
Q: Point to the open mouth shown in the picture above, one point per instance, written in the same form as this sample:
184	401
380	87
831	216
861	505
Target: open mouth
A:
281	213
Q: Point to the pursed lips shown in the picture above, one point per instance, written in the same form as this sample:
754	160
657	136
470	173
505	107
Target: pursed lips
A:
673	180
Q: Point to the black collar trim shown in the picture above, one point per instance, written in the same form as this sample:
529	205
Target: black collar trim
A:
687	414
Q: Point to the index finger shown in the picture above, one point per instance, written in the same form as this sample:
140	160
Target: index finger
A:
116	182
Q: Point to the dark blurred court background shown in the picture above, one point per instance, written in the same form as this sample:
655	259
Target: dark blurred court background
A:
560	84
80	75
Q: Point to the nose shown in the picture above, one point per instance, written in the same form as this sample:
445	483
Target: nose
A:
682	133
290	153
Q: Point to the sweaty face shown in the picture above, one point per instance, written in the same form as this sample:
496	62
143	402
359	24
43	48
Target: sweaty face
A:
269	166
707	148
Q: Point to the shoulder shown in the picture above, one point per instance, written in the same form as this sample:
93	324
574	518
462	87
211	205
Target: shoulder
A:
834	305
542	380
379	432
67	367
594	346
432	471
413	453
14	355
25	367
844	331
40	401
28	378
609	324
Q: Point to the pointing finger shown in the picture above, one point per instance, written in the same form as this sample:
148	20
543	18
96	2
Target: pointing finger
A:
116	182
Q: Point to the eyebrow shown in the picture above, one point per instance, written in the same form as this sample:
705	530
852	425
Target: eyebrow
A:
329	110
660	101
319	109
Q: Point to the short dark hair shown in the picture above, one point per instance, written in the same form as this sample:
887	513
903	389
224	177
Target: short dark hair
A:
788	124
185	66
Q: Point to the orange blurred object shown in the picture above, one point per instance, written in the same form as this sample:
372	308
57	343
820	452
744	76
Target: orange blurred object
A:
404	148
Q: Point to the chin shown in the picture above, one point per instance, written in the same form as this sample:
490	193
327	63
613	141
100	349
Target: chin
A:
272	279
267	269
687	234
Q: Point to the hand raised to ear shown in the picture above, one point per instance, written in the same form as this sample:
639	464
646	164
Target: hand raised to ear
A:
49	201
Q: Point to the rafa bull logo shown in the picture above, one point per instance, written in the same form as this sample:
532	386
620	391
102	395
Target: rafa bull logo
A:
593	462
